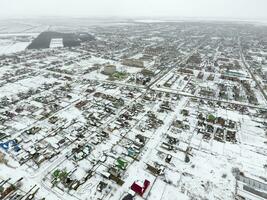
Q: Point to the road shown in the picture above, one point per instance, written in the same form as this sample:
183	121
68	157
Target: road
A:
251	73
206	98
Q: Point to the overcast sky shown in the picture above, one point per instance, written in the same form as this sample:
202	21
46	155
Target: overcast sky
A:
241	9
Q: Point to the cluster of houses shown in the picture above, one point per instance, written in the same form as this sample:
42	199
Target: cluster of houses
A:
177	100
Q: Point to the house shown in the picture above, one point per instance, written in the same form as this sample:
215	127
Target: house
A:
121	163
139	187
10	144
156	169
128	197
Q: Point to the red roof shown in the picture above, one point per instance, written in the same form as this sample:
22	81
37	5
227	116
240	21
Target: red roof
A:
140	189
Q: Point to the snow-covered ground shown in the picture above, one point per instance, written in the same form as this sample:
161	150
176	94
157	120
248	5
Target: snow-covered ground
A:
72	132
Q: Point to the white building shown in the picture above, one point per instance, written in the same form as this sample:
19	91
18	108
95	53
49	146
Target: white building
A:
56	43
250	189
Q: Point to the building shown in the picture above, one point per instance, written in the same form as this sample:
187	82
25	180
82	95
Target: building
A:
250	189
139	187
154	51
109	69
133	62
56	43
265	74
128	197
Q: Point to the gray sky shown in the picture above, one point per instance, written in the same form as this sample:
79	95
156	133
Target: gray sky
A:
241	9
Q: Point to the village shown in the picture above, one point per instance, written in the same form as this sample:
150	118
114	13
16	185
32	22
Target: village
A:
152	111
